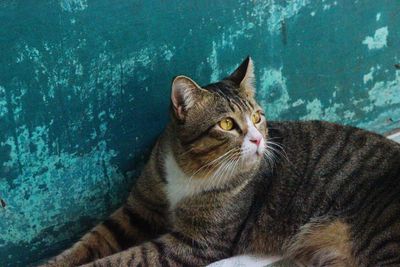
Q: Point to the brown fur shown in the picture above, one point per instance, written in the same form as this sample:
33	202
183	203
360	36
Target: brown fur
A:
326	243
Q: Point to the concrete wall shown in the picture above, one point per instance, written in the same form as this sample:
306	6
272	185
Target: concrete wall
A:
84	91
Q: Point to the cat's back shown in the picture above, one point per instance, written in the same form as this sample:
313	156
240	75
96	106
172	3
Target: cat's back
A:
315	133
324	144
325	172
323	167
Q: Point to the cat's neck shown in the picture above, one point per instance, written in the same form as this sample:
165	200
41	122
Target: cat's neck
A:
181	185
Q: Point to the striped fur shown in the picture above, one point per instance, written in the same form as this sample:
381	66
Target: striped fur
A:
323	195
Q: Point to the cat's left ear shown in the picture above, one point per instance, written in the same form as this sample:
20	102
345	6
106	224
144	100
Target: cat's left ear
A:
185	93
244	77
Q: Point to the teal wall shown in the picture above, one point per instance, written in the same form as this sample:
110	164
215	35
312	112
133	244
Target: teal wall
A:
84	91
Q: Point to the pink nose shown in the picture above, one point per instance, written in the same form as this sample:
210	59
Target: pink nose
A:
256	141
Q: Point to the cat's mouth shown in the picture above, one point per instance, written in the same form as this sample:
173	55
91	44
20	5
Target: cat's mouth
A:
252	158
260	151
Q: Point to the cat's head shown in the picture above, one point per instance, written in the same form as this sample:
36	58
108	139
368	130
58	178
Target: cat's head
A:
219	129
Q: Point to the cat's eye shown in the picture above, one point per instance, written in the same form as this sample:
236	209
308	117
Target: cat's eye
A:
226	124
256	117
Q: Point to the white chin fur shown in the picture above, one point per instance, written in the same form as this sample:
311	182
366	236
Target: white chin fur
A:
252	152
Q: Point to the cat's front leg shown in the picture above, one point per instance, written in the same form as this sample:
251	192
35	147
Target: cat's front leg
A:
126	227
142	218
173	249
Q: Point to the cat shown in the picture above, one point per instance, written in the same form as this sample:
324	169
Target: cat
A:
223	181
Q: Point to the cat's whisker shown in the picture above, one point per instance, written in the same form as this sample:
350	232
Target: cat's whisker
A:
270	158
274	146
281	153
214	163
223	169
233	169
222	174
228	171
278	145
220	158
187	152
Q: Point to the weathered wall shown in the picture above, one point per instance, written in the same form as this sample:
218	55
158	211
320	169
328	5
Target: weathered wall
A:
84	88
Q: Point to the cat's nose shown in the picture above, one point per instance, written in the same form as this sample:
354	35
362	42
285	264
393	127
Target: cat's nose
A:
255	140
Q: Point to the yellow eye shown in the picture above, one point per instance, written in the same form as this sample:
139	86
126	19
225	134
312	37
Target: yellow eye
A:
226	124
256	117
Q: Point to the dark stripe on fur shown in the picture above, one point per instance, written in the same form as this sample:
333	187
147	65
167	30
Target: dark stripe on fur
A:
92	254
118	232
155	207
140	223
196	138
159	162
161	252
143	251
187	240
100	237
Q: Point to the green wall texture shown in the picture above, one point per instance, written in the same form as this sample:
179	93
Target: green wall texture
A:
84	91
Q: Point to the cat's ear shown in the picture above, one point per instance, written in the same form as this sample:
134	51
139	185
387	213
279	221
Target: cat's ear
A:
185	93
244	77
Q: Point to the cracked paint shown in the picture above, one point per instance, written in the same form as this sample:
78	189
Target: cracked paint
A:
73	5
385	93
379	40
213	61
278	13
3	102
369	77
273	92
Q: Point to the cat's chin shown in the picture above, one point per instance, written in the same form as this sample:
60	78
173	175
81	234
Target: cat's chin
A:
251	161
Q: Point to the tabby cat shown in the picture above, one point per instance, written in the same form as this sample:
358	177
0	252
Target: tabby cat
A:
222	181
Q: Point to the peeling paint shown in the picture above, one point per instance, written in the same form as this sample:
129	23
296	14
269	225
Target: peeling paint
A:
273	92
298	102
40	165
385	93
168	54
278	13
73	5
275	13
213	61
315	111
383	122
3	102
379	40
369	76
348	115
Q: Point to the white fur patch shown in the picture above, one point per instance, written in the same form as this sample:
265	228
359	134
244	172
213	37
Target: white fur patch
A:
181	185
253	133
245	260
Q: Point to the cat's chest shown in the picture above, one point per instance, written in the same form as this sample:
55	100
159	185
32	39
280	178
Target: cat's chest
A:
180	185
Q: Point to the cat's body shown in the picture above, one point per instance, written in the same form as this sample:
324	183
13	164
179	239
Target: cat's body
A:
336	195
324	195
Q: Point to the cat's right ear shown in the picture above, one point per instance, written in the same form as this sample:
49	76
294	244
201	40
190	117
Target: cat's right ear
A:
184	94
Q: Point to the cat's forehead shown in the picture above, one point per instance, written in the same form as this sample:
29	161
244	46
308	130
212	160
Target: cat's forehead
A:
223	87
229	96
